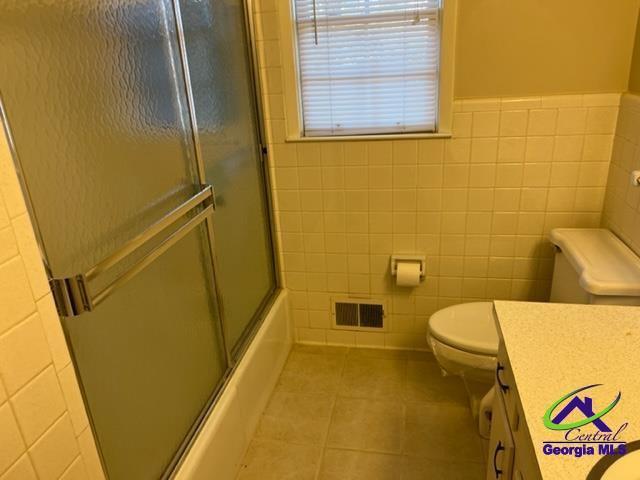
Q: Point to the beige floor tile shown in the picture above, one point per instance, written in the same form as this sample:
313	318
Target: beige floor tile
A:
313	373
373	377
354	465
425	383
421	356
441	432
296	418
368	407
423	469
362	424
274	460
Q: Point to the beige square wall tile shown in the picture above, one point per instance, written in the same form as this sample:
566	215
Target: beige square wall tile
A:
4	216
21	470
90	455
38	405
31	255
55	450
542	122
53	330
23	353
572	121
485	124
513	123
341	337
458	150
539	149
602	120
8	245
15	294
568	148
11	443
9	184
461	127
370	339
76	471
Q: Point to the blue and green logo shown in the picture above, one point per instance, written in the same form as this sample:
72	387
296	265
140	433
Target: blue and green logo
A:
584	405
585	436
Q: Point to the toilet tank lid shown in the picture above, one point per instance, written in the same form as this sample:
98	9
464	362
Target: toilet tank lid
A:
604	264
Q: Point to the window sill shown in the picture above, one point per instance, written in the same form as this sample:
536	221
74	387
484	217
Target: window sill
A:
358	138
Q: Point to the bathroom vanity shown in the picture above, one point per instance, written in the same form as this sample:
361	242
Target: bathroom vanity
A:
547	352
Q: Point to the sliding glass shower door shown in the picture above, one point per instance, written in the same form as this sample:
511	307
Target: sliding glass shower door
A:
97	104
228	138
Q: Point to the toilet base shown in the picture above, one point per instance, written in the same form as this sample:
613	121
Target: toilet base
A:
477	373
481	401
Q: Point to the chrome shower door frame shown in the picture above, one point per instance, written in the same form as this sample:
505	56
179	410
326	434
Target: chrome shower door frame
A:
235	354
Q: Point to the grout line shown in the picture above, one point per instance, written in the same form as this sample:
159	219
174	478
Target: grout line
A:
66	470
24	454
333	408
20	322
32	379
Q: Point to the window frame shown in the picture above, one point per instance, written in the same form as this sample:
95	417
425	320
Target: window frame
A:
293	95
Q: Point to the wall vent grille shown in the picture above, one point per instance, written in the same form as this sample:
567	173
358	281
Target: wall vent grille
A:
358	314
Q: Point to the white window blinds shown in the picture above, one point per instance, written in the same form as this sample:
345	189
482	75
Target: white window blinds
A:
368	66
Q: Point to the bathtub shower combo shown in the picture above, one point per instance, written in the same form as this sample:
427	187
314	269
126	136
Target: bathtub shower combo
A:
134	127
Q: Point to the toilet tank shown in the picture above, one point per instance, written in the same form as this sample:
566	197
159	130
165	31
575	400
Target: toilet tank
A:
594	266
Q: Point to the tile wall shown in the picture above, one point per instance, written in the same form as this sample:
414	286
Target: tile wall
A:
479	205
622	201
44	430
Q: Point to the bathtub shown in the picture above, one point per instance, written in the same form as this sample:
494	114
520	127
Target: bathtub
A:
219	446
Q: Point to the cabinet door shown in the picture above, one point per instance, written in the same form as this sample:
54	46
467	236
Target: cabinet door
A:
501	450
506	385
517	470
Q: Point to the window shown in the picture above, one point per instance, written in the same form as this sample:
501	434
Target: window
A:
368	66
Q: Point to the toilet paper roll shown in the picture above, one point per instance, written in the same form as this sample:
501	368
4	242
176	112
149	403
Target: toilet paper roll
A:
408	274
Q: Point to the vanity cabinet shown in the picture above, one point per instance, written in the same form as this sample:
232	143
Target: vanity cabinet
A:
510	454
501	448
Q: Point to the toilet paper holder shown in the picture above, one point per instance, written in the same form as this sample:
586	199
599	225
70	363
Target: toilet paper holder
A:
401	258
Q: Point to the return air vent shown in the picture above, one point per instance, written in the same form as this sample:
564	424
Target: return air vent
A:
358	314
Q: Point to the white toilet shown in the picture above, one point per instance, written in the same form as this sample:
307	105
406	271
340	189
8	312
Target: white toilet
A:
591	266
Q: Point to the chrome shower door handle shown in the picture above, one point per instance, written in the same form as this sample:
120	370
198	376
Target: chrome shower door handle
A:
72	295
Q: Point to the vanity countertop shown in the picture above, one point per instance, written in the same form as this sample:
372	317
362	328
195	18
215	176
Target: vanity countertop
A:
554	349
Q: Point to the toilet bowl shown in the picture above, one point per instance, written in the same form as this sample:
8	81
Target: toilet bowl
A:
464	340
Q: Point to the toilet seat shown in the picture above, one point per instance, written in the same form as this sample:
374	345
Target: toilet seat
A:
469	327
465	364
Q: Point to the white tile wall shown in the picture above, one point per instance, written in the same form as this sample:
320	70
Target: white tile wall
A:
44	430
479	205
622	201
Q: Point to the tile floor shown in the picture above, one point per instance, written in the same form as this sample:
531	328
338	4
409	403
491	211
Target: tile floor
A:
351	414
